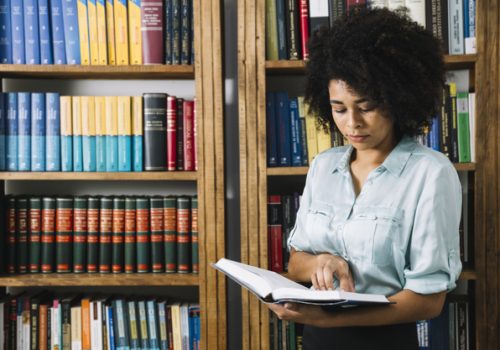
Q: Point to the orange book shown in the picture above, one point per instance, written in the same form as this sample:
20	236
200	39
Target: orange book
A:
42	326
86	345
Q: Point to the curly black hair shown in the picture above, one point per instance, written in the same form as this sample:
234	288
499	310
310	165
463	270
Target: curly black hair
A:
383	56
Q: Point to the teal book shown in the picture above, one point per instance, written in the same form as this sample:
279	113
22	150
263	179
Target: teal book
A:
66	134
121	329
77	133
88	133
24	125
124	134
100	133
154	339
38	132
53	132
137	131
3	122
11	126
111	133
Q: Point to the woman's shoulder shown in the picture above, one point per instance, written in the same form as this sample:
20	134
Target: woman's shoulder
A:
332	156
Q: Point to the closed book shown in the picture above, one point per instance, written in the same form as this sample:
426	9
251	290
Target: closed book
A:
105	234
118	235
12	134
133	324
176	128
53	132
275	236
96	330
121	329
337	8
57	32
64	234
195	256
100	130
130	235
66	133
296	145
452	123
154	339
88	133
124	134
110	328
71	31
153	28
3	122
162	325
176	31
86	327
48	234
101	32
456	27
195	138
464	154
35	233
137	133
76	116
110	31
38	131
93	37
318	14
195	326
303	130
156	228
111	133
304	27
43	326
155	131
186	31
169	31
17	22
24	128
444	141
121	32
176	325
22	244
93	223
80	234
46	56
292	30
170	233
143	324
134	31
5	32
284	129
143	235
83	31
271	31
188	138
183	234
66	322
281	19
417	11
472	125
76	327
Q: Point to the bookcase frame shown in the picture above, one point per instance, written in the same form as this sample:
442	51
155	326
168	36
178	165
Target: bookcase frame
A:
207	74
253	70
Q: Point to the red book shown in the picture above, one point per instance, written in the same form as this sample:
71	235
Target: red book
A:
195	138
152	28
171	133
179	127
188	113
275	233
304	27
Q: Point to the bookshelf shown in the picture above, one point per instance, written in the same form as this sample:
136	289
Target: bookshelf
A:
206	77
255	73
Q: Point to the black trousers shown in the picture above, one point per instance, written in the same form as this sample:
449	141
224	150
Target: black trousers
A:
393	337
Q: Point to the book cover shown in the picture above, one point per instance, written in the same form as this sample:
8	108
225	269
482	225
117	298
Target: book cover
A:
281	19
64	234
57	31
275	233
105	234
111	105
170	233
124	134
195	258
155	131
292	30
48	234
83	31
154	339
137	132
17	22
93	36
46	56
80	234
93	223
76	114
143	235
66	134
183	234
24	125
121	32
38	131
118	235
5	32
134	31
53	132
110	31
156	228
71	21
186	31
271	31
101	32
130	232
284	129
188	137
100	133
22	244
3	125
12	135
152	28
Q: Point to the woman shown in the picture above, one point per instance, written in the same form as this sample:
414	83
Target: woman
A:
382	214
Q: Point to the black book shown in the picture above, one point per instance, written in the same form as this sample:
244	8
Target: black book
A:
155	131
292	30
318	15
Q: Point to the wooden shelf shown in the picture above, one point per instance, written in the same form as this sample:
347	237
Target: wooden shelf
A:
468	275
299	67
28	71
118	176
302	170
89	280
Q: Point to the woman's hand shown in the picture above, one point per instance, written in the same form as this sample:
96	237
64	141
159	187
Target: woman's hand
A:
326	267
302	313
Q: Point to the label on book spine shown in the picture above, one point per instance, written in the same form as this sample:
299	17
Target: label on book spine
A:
152	32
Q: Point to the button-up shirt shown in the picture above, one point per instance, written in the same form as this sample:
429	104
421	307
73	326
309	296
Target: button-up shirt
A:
400	232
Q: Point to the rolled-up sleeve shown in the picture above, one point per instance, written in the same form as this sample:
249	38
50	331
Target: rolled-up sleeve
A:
434	248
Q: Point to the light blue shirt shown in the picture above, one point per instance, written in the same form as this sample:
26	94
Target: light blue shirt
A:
400	232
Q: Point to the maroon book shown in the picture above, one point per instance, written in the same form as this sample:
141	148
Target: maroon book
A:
171	133
304	28
152	28
188	116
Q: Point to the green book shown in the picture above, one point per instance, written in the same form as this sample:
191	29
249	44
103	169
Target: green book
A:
130	235
48	233
195	260
93	208
183	234
170	233
35	232
80	234
271	31
105	233
118	234
143	235
64	234
463	127
156	228
22	234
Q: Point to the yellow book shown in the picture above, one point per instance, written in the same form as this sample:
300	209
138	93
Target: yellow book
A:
137	132
111	115
77	134
93	38
88	115
176	325
110	31
101	32
100	131
311	132
121	32
124	116
77	115
66	133
324	140
83	30
134	31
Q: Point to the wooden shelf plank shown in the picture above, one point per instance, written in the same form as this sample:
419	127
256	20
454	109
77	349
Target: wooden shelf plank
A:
87	280
104	176
468	275
28	71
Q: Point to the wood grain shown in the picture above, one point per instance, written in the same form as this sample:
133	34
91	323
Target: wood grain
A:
104	176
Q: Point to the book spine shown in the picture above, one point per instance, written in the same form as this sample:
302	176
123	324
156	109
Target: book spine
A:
93	206
66	134
38	131
162	325
64	234
22	235
86	330
34	323
120	324
66	324
134	31
176	31
105	234
12	324
153	27
5	32
110	31
183	234
101	33
303	130
188	127
456	27
57	32
195	137
452	123
31	32
11	235
17	22
296	146
153	325
3	122
185	31
169	31
48	233
24	127
195	260
111	103
137	131
35	231
318	14
463	127
121	32
281	19
130	234
83	31
43	327
80	234
93	36
156	228
170	334
118	234
133	325
53	131
12	138
155	132
292	21
77	117
143	324
304	28
96	331
271	31
46	56
111	328
143	236
70	10
100	133
275	233
176	142
284	129
444	140
124	134
170	233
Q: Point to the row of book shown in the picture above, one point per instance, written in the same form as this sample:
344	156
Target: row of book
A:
289	24
49	132
284	335
40	320
96	32
102	234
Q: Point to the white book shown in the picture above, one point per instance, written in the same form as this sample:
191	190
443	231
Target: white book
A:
455	27
417	10
76	328
271	287
96	324
185	326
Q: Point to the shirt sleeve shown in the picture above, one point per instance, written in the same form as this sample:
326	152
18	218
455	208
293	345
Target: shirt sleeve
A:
434	252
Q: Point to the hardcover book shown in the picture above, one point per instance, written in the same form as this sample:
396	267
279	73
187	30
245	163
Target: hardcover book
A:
77	133
66	134
118	229
134	31
111	133
124	134
12	135
57	32
71	31
153	27
100	131
5	32
35	230
137	133
3	122
155	131
83	31
88	133
24	128
110	31
121	32
38	131
53	131
17	22
46	56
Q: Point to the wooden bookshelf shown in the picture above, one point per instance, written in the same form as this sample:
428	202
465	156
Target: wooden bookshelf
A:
98	176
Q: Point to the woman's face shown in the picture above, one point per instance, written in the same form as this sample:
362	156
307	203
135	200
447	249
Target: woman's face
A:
360	120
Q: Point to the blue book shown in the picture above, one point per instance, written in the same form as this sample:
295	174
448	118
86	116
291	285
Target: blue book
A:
137	152
154	339
5	32
38	125
53	132
17	22
111	153
46	56
435	133
303	140
31	32
143	322
11	133
162	325
133	324
119	310
110	328
100	146
284	129
295	133
281	20
57	31
71	34
3	122
24	129
272	135
66	133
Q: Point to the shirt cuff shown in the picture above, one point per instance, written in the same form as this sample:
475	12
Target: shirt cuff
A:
429	284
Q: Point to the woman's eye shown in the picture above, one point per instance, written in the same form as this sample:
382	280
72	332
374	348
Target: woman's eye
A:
339	111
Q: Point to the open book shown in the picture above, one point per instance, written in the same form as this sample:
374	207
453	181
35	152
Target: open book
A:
271	287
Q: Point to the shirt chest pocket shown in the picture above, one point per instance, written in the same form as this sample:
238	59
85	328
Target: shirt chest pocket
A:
370	234
319	220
